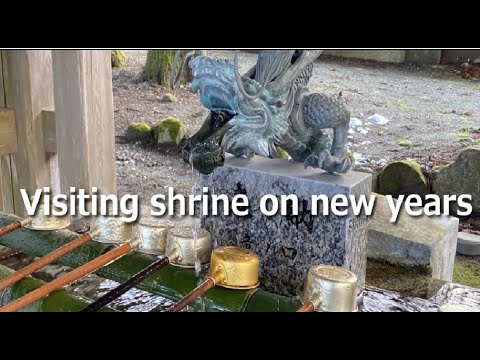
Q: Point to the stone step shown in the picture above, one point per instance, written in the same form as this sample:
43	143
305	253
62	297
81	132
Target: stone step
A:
424	243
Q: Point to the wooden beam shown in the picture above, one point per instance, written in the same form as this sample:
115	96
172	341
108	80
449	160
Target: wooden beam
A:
84	119
8	134
31	90
2	86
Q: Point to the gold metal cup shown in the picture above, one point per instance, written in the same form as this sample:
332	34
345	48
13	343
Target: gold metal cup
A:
47	222
331	289
235	268
152	235
113	230
183	247
230	267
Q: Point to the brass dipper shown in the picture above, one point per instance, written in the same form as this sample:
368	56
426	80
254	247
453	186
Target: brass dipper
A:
230	267
329	289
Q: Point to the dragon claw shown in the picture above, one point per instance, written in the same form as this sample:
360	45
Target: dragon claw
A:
312	161
336	165
345	165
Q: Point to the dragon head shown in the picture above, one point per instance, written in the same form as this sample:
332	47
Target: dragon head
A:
242	119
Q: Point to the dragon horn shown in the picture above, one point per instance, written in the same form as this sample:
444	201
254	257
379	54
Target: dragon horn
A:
240	81
175	80
174	68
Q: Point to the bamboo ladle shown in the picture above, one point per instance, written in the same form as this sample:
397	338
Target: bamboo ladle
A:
41	222
47	259
182	249
70	277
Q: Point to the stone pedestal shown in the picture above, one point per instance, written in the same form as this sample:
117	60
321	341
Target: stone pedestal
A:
289	245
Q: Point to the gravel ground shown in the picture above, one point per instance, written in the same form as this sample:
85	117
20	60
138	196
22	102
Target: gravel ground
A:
433	108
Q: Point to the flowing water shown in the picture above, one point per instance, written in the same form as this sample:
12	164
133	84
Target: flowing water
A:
195	178
93	287
198	264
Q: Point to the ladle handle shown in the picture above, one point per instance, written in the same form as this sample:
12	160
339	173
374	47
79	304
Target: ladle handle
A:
9	228
127	285
67	278
194	295
308	307
8	253
47	259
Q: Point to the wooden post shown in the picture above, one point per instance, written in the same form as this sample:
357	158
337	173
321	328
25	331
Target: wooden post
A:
84	119
6	189
2	86
28	89
8	134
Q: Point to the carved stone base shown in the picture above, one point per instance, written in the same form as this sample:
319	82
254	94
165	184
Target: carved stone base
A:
289	245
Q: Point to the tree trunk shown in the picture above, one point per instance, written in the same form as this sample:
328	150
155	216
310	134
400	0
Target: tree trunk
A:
159	67
119	59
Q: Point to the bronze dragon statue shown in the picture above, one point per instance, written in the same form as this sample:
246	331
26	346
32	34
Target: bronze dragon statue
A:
268	107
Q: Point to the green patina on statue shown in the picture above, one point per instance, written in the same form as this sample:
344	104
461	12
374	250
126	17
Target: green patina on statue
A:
268	107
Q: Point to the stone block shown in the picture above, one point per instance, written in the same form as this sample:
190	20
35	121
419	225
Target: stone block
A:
402	178
468	244
461	177
424	243
289	245
423	57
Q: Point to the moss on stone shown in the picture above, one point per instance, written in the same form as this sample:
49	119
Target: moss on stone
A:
351	157
282	154
140	127
404	143
138	131
168	98
119	60
169	130
403	178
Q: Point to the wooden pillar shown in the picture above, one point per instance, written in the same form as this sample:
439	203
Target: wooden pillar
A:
84	119
28	88
6	189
